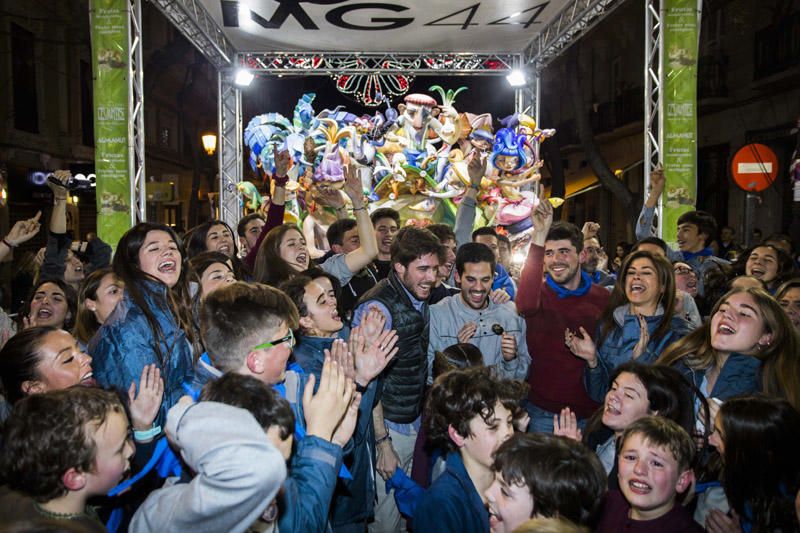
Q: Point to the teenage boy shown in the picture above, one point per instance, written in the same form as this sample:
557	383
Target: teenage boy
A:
543	476
444	284
247	329
236	441
248	230
567	300
402	300
469	414
696	230
472	317
61	448
386	222
343	238
654	464
502	280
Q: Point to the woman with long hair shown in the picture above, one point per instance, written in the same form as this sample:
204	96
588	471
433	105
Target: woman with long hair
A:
152	324
216	236
768	263
748	345
50	303
638	323
757	438
99	294
788	295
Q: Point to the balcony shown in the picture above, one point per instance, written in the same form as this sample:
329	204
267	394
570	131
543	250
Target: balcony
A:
777	47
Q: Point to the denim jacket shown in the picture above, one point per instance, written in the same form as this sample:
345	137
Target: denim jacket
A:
452	504
741	374
124	344
352	499
617	347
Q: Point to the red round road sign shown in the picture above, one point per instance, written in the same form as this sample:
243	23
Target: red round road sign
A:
754	167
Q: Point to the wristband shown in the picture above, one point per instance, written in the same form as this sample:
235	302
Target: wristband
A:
7	243
280	181
141	436
362	208
383	439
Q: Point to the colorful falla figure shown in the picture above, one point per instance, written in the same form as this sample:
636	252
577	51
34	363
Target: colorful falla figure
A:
517	166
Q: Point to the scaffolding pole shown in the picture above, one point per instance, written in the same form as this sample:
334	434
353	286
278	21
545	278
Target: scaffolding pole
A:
653	111
230	152
136	174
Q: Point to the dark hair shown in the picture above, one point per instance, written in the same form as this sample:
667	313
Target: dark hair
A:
200	263
666	280
177	303
196	244
455	357
443	232
780	237
761	466
270	267
69	295
650	240
566	231
474	252
245	220
236	317
664	433
504	239
19	359
793	283
704	221
336	231
295	289
626	247
86	324
786	268
385	212
489	231
254	396
459	396
564	477
49	433
411	243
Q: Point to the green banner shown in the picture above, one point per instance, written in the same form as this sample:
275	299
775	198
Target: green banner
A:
679	97
109	27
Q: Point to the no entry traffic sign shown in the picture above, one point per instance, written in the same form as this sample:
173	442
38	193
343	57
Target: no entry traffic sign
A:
754	167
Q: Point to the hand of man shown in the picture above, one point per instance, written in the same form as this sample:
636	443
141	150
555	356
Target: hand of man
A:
467	331
283	162
508	346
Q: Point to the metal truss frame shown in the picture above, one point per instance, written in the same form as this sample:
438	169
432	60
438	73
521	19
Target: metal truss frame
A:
527	99
575	18
230	149
196	24
136	174
653	106
411	63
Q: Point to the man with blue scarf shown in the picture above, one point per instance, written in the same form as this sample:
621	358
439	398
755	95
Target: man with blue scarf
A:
566	301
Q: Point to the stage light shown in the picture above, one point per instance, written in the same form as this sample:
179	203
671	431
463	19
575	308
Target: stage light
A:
243	77
517	78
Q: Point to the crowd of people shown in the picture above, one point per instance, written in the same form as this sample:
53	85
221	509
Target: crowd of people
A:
405	379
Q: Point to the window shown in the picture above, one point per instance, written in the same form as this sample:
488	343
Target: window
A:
23	75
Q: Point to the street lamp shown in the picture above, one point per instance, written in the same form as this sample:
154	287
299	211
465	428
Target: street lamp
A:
209	143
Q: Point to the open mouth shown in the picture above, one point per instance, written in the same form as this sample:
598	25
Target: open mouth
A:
225	249
494	519
639	487
302	259
387	243
425	289
477	296
88	379
637	288
558	269
692	284
757	272
167	267
725	329
44	313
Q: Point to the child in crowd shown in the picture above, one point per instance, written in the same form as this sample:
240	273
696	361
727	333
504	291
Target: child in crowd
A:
238	469
470	413
655	467
537	475
60	449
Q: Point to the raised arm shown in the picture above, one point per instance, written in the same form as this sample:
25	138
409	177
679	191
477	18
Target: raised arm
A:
530	280
22	231
368	250
465	215
276	207
645	222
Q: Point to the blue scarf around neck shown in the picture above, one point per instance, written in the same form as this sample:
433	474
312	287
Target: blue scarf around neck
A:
705	252
563	292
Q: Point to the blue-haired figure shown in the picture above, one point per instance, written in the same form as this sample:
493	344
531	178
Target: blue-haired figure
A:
512	157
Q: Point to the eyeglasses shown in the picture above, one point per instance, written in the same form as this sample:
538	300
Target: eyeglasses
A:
683	271
288	338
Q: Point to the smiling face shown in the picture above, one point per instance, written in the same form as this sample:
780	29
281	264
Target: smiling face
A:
485	437
419	276
790	302
252	231
642	286
220	239
74	271
476	284
506	163
60	364
562	262
350	241
323	317
762	263
625	403
292	249
160	258
215	276
269	364
649	477
689	238
685	278
49	306
450	259
510	504
739	326
107	296
385	230
114	452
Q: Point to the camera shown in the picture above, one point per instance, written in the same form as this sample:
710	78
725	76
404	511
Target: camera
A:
78	182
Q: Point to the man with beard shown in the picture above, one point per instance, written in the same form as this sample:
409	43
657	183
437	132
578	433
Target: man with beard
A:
472	317
401	299
594	255
565	301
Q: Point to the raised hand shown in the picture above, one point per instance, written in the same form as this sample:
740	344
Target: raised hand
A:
371	358
24	230
581	345
372	324
340	353
348	423
499	296
644	338
565	424
283	161
508	346
542	217
145	406
60	189
467	331
325	409
330	197
352	185
590	229
476	167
